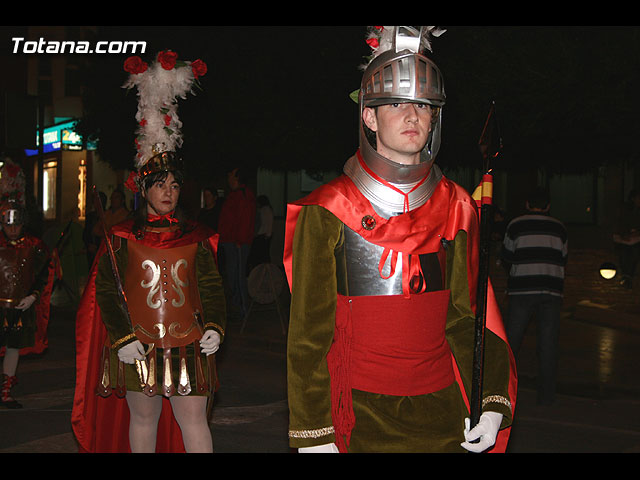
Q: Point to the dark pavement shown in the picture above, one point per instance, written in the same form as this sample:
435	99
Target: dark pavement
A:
595	412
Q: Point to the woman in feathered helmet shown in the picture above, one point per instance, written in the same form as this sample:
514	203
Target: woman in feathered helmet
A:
153	369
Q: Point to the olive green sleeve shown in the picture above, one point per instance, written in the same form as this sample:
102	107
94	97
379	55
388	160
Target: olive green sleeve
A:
211	291
460	335
317	235
113	316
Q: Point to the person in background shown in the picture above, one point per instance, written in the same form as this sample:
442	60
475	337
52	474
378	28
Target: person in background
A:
534	253
261	247
627	239
116	213
209	214
91	240
236	228
24	259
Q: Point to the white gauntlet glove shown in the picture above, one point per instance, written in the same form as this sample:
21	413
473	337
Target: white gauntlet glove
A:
26	302
131	352
328	448
486	430
210	342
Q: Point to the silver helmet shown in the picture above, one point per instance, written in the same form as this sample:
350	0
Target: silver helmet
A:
399	73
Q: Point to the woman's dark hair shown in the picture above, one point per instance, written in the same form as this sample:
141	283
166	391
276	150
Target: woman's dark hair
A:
140	215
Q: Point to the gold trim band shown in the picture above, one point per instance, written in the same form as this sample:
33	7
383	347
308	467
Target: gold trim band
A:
496	399
122	340
215	326
317	433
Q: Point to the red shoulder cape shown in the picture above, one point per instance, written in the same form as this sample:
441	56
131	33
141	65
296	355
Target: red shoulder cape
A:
449	210
101	424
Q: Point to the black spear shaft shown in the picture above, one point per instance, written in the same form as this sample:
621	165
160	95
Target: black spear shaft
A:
490	145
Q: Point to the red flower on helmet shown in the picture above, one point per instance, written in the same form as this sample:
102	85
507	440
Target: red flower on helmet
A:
373	42
167	59
131	182
135	65
199	68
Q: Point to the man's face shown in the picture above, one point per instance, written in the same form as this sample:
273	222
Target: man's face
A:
402	130
232	179
162	196
117	200
13	231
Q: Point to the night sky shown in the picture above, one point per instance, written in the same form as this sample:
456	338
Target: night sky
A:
278	96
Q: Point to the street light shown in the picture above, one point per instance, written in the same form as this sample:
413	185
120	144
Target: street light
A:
608	270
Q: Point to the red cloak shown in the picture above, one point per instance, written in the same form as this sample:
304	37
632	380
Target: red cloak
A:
420	231
101	424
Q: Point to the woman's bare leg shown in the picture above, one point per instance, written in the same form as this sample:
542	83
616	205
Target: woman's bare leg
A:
143	425
191	415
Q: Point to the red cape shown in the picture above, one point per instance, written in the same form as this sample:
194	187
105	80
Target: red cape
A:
101	424
43	305
449	210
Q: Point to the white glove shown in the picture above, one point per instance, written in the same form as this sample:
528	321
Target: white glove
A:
26	302
486	430
210	342
131	352
327	448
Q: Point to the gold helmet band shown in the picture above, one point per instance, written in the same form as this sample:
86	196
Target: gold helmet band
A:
161	162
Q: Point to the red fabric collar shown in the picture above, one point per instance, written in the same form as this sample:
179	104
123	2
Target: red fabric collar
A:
160	218
167	237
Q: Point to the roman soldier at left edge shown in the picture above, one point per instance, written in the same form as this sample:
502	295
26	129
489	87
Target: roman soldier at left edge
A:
25	282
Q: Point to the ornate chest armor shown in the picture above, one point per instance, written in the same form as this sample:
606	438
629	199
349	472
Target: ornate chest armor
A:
16	274
164	301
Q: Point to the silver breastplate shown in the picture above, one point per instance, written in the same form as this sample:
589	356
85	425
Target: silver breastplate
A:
358	265
358	268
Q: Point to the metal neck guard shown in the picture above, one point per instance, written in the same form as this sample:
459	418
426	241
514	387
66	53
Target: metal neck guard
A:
387	199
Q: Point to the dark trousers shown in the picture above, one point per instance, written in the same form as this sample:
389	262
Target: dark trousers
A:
235	271
546	310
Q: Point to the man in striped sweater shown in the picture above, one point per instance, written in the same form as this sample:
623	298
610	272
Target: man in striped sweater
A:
534	252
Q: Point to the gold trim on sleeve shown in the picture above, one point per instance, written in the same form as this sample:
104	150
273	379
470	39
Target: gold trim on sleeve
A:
317	433
215	326
496	399
122	340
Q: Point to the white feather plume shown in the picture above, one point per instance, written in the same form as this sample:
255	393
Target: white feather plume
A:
157	115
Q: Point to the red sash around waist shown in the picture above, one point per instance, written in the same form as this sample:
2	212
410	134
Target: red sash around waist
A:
390	345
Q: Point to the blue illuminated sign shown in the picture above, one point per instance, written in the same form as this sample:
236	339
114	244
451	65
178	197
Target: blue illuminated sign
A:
60	137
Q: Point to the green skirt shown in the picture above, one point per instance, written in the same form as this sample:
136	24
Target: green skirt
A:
432	423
